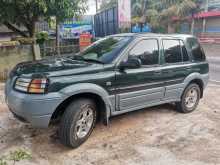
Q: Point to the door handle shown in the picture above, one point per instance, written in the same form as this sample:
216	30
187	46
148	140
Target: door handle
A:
188	68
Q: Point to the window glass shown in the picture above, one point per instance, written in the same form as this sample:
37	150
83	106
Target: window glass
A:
184	51
147	51
197	51
106	50
172	51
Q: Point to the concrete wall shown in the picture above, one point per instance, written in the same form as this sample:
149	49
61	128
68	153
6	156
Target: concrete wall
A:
12	55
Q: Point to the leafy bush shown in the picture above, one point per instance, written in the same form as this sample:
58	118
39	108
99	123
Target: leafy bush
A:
19	155
15	156
2	162
41	37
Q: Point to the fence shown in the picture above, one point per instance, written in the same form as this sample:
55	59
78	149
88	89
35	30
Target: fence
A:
53	51
106	22
49	49
10	55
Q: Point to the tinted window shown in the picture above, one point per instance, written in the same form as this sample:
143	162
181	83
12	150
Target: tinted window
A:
184	52
147	51
106	50
172	51
197	52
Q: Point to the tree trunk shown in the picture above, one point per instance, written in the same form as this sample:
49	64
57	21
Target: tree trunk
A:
32	30
96	5
170	28
204	19
35	46
57	38
15	29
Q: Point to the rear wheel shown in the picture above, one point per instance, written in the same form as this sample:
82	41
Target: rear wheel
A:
77	122
190	99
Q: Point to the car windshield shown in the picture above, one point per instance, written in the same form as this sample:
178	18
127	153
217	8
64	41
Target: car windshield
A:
105	50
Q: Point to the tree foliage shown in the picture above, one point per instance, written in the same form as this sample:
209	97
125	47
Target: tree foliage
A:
64	9
107	4
159	12
180	8
16	14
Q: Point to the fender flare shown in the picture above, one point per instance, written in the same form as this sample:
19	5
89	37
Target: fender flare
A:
203	77
93	89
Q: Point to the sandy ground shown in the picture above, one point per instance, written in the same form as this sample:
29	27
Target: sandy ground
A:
153	136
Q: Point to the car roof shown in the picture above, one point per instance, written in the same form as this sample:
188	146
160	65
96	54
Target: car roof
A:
177	36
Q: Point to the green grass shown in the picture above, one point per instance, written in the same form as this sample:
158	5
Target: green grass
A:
3	161
15	156
20	155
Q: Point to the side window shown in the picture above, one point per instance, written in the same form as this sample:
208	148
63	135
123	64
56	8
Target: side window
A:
147	51
172	51
197	52
184	52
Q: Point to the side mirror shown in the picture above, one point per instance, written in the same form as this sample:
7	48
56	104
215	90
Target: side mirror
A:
131	63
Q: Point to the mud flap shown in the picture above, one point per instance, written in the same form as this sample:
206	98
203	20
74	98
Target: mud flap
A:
106	116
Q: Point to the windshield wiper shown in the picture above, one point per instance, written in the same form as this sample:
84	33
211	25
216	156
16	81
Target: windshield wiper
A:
77	57
93	60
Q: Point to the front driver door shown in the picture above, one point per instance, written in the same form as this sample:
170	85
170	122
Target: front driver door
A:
137	88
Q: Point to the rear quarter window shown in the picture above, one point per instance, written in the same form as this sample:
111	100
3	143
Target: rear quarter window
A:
196	49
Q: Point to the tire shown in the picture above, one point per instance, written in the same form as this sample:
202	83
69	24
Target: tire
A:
75	128
189	103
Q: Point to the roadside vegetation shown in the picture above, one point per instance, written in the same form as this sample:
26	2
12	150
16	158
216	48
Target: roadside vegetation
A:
15	156
21	16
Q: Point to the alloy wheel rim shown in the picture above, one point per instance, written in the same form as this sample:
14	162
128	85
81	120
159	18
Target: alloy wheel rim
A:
85	121
191	98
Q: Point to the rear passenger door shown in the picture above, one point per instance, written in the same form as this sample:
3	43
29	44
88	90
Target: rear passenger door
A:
176	67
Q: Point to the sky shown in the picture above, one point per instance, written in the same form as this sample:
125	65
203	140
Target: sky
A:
91	5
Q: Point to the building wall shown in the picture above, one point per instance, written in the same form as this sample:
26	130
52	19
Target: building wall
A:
213	24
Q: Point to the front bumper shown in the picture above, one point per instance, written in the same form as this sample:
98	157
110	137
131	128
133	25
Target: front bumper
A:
35	109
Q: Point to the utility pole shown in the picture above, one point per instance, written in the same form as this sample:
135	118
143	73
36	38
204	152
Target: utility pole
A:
204	19
96	5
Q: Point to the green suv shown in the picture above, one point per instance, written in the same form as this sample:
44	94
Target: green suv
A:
115	75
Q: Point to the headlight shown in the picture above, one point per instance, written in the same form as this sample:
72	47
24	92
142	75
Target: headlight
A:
36	85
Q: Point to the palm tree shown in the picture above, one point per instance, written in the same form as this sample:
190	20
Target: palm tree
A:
143	11
159	12
181	9
139	7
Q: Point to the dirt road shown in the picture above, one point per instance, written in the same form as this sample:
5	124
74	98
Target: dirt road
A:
153	136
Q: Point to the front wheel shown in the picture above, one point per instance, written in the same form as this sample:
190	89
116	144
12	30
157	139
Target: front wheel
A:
190	99
77	122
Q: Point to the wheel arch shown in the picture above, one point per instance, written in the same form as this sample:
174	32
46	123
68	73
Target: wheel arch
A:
92	91
197	79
